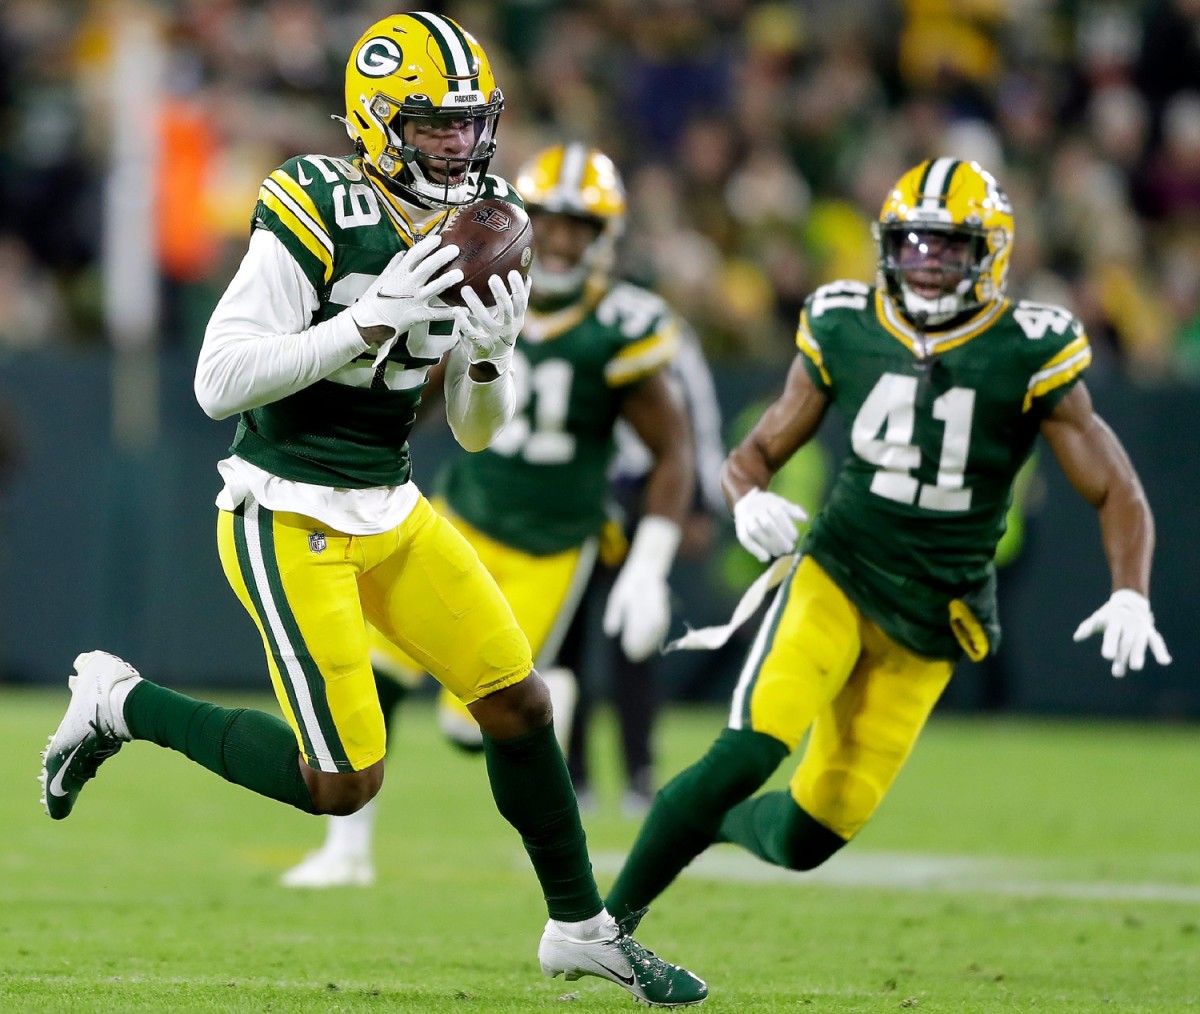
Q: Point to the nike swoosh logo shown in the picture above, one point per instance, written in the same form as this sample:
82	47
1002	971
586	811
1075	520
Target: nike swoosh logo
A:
56	784
627	979
300	177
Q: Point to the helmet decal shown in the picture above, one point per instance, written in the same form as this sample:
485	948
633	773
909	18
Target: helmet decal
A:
379	57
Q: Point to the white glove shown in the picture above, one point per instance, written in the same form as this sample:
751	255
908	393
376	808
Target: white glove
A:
639	605
1128	627
404	292
766	523
489	334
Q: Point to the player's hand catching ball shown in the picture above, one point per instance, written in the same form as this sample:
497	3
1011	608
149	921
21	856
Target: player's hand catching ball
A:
489	334
1128	627
403	294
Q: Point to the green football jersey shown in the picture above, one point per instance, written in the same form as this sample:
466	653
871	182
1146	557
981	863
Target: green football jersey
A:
939	427
541	485
351	429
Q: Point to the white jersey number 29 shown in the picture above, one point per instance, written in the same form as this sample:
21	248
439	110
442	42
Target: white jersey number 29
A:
882	436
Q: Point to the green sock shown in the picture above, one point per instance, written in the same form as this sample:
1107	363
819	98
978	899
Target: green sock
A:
248	748
533	793
685	816
775	828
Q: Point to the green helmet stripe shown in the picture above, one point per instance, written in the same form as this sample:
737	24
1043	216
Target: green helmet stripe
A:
454	48
925	177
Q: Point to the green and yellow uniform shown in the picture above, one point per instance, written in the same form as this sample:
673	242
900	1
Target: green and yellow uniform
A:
896	578
312	586
912	522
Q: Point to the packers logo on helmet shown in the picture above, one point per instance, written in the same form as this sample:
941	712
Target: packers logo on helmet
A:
422	106
944	240
581	182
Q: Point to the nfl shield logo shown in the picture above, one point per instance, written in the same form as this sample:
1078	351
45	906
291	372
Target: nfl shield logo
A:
493	218
316	542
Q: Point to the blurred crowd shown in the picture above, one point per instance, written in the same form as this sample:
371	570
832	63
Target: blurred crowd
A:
757	139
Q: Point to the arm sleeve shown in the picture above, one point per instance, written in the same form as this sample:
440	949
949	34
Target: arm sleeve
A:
704	412
257	347
476	412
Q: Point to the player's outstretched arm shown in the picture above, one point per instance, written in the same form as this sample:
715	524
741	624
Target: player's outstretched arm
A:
766	522
1097	466
639	605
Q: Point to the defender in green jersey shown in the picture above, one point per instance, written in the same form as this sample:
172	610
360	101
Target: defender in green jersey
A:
945	384
321	346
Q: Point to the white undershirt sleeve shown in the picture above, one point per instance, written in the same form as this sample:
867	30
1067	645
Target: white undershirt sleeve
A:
257	347
476	411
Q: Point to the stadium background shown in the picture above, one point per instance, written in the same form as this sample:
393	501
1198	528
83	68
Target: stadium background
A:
757	141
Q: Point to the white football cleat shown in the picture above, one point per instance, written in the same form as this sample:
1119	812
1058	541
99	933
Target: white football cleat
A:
331	868
91	731
622	960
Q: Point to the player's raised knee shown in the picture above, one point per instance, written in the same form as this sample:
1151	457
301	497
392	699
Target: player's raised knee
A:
339	794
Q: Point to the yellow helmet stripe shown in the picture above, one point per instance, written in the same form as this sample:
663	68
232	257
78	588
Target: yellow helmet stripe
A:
461	66
643	357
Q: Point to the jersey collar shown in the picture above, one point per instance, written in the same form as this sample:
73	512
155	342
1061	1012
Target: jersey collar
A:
929	343
410	220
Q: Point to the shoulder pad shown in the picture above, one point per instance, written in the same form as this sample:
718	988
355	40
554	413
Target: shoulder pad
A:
646	328
635	311
1045	321
296	203
500	189
844	294
1056	346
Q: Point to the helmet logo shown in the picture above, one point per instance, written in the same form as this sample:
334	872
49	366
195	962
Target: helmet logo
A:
378	57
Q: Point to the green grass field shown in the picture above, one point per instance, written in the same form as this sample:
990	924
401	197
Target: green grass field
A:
1017	866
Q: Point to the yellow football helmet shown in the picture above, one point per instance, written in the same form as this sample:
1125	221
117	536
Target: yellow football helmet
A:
572	179
944	240
418	69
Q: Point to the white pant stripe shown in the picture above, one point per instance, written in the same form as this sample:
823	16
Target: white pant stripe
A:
754	660
292	670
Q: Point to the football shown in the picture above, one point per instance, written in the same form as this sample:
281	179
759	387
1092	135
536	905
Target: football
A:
493	237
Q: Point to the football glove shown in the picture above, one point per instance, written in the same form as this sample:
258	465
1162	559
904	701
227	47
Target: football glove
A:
639	605
489	334
766	523
404	293
1128	627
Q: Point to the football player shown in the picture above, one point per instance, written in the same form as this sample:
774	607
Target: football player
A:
321	346
946	383
594	353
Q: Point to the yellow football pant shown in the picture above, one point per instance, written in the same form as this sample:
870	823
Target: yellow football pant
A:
311	591
543	591
819	666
